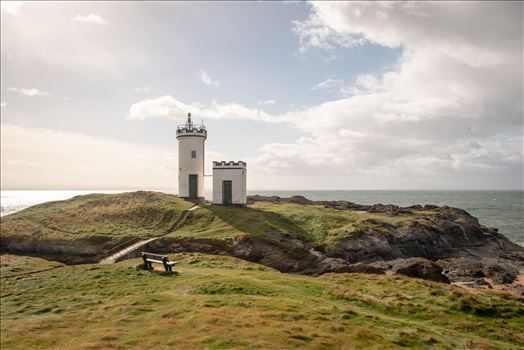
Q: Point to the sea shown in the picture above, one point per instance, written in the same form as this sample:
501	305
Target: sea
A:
501	209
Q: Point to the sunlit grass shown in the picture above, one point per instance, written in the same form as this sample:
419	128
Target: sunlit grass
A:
217	302
310	223
98	216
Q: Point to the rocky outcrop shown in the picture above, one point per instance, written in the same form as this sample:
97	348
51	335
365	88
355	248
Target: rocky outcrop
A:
343	205
420	268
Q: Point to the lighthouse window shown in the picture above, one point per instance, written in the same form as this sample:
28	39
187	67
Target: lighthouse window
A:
193	154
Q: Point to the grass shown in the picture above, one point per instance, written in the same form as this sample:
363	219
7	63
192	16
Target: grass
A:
217	302
106	218
11	265
97	216
306	222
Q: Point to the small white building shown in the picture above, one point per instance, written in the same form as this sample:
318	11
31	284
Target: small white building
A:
229	183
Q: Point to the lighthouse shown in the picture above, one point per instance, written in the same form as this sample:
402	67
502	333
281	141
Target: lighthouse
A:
191	138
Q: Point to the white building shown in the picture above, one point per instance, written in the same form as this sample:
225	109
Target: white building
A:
191	139
229	183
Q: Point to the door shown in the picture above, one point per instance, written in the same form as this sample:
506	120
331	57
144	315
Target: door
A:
193	186
227	192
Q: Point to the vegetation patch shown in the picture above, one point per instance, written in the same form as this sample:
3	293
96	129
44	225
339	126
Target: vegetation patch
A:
225	303
144	214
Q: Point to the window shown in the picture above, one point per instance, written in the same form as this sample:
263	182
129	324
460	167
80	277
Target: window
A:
193	154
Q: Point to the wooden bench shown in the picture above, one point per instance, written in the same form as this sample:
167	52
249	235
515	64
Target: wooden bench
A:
150	258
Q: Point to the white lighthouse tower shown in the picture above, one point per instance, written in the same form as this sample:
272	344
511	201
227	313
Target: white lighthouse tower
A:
191	149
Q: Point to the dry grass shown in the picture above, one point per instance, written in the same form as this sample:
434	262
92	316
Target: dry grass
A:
217	302
102	216
306	222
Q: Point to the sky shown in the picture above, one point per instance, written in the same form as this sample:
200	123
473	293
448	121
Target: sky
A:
312	95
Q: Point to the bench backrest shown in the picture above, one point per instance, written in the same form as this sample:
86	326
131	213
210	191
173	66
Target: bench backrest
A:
152	255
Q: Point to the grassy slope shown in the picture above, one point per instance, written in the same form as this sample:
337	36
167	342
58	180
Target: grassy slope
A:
143	214
147	214
221	302
307	222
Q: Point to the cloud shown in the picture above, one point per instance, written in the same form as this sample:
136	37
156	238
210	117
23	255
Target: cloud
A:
143	89
55	159
266	102
168	107
328	84
28	92
3	104
206	79
454	86
44	36
364	83
12	8
91	18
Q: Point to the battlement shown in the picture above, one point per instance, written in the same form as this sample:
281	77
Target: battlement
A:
229	164
191	129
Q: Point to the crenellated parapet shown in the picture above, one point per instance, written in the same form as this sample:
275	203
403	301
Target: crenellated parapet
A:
229	164
191	129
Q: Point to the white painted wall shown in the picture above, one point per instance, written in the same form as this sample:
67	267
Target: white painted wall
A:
237	174
187	142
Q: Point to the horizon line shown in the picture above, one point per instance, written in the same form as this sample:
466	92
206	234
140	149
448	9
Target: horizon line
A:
258	190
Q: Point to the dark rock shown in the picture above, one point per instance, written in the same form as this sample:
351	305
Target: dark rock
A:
462	269
493	230
420	268
298	200
500	273
381	208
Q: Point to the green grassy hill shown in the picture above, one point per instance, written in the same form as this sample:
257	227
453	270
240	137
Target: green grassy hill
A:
106	216
310	223
217	302
98	222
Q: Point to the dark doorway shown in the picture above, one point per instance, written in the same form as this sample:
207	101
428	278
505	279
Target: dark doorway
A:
227	192
193	186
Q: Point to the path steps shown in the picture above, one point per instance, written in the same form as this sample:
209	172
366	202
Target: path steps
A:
134	247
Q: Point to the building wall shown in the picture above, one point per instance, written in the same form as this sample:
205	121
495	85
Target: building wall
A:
187	165
238	178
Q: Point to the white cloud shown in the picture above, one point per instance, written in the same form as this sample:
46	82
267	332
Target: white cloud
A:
266	102
365	83
44	36
328	84
206	79
55	159
91	18
28	92
12	8
454	85
170	108
143	89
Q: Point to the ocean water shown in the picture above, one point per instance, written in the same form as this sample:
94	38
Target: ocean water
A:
501	209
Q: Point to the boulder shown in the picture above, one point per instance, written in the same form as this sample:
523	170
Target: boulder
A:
298	200
381	208
420	268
